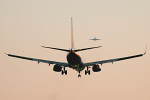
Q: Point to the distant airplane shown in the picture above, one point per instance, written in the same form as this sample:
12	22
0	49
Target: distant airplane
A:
74	61
95	39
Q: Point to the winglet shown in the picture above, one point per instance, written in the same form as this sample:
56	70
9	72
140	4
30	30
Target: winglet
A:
145	50
6	53
72	41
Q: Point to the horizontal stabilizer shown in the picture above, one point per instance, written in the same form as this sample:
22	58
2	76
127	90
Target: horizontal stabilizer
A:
94	39
86	48
56	48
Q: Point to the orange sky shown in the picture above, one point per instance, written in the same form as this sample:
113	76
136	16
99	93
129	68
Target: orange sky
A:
27	25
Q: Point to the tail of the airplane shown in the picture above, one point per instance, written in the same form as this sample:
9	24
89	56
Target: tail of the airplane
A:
72	42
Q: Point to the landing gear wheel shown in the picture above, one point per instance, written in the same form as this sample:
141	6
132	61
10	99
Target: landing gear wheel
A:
85	72
65	72
62	72
89	72
79	75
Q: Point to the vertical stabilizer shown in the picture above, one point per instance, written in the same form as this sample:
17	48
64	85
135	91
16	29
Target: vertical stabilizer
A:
72	43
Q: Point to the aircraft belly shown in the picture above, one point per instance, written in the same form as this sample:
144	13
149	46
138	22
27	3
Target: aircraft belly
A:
79	67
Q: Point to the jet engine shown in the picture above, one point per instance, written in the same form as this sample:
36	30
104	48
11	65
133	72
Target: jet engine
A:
96	68
57	68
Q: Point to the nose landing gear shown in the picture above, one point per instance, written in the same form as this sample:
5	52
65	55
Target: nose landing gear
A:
79	74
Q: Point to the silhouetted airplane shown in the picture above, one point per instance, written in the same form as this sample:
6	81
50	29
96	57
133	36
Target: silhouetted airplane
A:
95	39
74	61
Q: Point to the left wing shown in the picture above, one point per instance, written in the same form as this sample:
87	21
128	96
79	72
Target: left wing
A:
39	60
113	60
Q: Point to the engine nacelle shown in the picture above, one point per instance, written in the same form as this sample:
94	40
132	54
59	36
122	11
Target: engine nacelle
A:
96	68
57	68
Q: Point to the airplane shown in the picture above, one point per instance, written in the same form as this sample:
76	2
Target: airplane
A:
95	39
74	61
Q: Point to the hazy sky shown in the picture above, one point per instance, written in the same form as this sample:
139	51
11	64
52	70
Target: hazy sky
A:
26	25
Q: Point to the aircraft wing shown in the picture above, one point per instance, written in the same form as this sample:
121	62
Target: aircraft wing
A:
40	60
91	39
113	60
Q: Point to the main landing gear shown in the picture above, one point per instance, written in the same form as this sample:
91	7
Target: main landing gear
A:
87	71
64	71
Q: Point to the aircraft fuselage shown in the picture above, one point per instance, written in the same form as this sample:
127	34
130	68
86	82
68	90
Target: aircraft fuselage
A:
75	61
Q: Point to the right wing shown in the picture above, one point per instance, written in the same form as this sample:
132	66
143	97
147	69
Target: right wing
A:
112	60
40	60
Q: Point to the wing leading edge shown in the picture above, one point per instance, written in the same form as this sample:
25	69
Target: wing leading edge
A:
113	60
39	60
